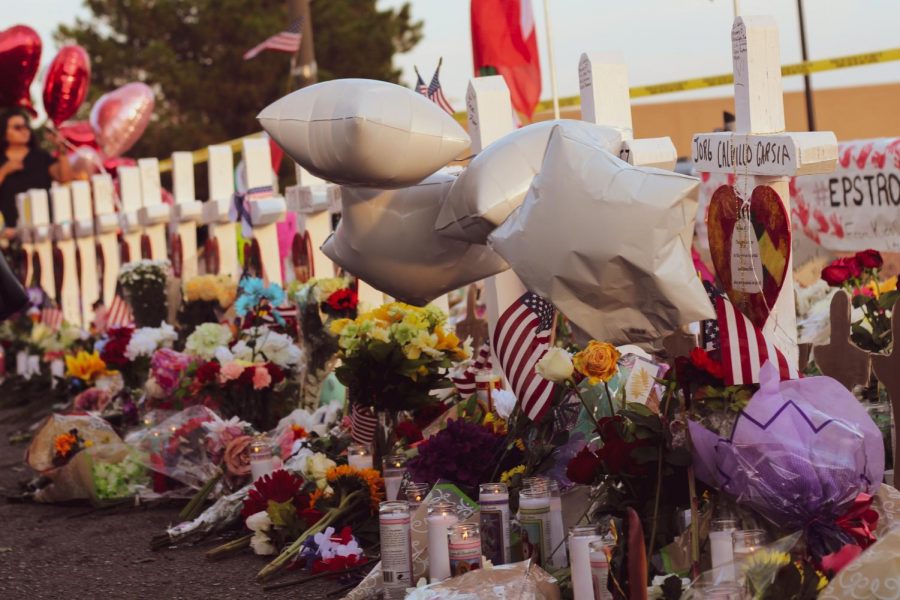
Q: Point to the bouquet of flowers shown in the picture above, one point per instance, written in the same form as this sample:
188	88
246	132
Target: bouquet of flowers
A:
860	276
144	283
393	356
131	350
260	304
204	298
321	301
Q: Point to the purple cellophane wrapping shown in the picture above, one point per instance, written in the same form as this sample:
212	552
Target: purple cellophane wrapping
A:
801	450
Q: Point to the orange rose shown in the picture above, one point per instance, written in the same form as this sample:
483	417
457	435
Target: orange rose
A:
237	456
597	362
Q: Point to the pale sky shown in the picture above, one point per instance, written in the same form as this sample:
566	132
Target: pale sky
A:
660	40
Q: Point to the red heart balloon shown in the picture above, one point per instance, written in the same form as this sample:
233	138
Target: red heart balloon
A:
120	117
79	133
66	83
20	55
750	254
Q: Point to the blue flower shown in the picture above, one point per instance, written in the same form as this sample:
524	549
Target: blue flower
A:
254	291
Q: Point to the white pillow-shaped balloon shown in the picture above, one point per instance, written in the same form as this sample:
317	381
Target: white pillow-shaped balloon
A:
363	132
496	181
387	238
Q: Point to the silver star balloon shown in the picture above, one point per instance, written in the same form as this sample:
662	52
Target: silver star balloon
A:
607	243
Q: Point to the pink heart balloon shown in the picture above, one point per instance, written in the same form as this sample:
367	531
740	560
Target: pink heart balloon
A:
20	55
120	117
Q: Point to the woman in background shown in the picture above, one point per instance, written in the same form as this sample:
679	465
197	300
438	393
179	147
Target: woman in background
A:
24	165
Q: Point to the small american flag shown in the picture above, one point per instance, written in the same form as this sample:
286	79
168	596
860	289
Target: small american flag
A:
283	41
521	338
120	314
743	346
436	94
421	88
362	424
465	382
52	317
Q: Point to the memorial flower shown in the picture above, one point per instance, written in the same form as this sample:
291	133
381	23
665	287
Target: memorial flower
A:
556	365
207	338
598	362
85	366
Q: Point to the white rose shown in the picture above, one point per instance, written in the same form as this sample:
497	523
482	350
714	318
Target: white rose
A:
504	402
316	467
555	366
259	522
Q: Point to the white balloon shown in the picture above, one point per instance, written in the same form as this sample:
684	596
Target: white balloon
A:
387	238
364	133
496	181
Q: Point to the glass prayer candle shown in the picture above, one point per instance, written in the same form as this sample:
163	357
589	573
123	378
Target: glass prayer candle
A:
558	557
493	500
359	456
261	460
534	518
580	537
394	467
396	548
486	381
747	542
441	517
599	552
464	548
722	549
415	495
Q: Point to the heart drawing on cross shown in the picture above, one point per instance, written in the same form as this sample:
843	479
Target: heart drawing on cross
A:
750	243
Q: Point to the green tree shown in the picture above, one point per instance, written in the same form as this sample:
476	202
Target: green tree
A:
190	52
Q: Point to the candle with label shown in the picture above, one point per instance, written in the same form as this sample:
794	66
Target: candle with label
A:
599	556
396	548
261	460
486	381
441	517
359	456
580	538
493	500
464	548
534	518
394	467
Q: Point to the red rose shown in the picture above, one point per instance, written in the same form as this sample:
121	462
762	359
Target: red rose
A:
409	431
852	263
870	259
835	275
113	353
583	467
208	372
342	300
616	452
701	359
275	372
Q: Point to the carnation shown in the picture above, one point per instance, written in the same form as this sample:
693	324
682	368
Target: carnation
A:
463	453
206	339
268	345
146	340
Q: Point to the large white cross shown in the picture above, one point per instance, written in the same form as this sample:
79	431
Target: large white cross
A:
106	225
130	196
760	152
313	199
186	214
39	222
23	232
221	247
63	235
83	217
153	215
265	212
605	100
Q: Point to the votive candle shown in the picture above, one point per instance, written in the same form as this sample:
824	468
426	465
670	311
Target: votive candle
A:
415	495
580	538
599	555
396	548
558	557
493	500
262	462
464	548
394	467
441	517
359	456
534	518
721	548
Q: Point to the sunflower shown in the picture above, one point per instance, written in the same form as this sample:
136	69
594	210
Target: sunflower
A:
347	479
507	476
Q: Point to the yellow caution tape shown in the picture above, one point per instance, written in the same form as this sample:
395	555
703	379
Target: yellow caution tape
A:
803	68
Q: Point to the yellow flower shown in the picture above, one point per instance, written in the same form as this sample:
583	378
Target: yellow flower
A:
331	285
597	362
211	288
888	285
446	341
520	444
338	325
507	476
369	478
84	366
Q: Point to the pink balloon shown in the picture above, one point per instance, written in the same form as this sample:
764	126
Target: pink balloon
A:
84	162
120	117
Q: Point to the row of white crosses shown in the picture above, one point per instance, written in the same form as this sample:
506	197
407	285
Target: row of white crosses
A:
605	100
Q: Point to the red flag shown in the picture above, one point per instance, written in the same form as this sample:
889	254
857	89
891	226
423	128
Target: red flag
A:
504	38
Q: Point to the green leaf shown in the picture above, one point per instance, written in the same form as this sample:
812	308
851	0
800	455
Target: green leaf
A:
888	299
282	514
650	421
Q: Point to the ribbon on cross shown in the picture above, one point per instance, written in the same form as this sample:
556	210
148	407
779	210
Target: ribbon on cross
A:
240	207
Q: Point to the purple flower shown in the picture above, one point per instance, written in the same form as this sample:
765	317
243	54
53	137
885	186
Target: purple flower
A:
463	452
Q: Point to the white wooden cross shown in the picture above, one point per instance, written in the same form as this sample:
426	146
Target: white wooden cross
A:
106	225
39	222
23	231
760	152
266	209
186	213
153	215
83	217
130	195
313	199
605	100
63	235
221	247
490	115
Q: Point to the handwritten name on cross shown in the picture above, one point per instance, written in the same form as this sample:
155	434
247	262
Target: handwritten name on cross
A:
39	220
760	152
605	100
